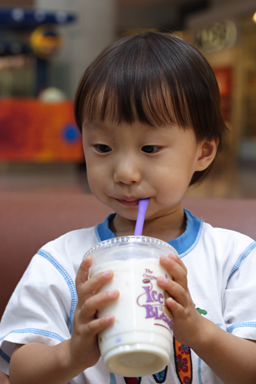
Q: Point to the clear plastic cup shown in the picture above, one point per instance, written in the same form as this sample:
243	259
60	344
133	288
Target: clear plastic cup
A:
139	342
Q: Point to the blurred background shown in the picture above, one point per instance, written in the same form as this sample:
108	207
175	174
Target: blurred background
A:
45	45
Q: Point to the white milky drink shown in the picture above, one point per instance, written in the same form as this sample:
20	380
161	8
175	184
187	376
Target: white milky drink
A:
139	342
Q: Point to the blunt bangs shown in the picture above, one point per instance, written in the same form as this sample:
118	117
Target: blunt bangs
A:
137	87
152	78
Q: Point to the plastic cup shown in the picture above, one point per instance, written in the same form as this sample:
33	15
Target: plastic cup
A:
139	342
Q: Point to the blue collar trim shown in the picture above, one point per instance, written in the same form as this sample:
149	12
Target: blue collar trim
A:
183	244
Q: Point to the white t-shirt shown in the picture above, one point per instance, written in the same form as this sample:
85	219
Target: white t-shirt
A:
221	278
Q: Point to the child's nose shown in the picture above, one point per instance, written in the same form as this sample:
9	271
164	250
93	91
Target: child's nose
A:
127	172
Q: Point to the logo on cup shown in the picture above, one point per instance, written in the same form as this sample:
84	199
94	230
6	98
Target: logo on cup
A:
153	300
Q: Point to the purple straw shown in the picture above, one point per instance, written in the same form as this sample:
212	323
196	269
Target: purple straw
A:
143	205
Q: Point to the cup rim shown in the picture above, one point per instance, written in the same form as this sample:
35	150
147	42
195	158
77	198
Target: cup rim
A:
123	240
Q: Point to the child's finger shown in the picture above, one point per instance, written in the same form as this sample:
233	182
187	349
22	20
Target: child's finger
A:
91	287
96	326
175	290
176	269
96	302
176	308
178	260
83	271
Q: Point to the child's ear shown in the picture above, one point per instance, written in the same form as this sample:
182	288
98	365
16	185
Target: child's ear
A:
207	153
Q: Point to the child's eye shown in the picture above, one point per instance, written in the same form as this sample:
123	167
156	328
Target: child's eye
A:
150	148
102	148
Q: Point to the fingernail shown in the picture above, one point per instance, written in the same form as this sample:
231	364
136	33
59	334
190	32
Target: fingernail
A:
109	318
106	273
162	280
112	294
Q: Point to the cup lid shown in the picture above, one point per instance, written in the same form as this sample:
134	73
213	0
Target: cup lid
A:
128	247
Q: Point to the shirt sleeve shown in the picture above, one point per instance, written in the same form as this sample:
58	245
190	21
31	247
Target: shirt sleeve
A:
41	308
240	295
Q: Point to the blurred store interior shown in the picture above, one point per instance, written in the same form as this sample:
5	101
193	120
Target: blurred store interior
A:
45	45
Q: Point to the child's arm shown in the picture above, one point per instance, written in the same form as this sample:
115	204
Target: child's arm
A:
38	363
223	352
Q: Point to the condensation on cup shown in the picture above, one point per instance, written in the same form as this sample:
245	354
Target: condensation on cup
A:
139	342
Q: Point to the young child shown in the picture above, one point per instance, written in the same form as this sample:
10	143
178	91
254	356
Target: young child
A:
149	111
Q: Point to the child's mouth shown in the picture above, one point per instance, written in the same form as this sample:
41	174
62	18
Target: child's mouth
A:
129	203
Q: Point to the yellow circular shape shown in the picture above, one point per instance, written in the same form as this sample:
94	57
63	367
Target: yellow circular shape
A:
46	41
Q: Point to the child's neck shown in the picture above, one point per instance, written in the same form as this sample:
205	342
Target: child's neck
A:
166	228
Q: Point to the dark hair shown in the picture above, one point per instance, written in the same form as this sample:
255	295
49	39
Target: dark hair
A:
156	79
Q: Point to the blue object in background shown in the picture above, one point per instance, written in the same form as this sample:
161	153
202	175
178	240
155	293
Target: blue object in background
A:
28	19
71	133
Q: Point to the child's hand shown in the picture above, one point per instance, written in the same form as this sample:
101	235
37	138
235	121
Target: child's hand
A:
60	363
83	344
187	324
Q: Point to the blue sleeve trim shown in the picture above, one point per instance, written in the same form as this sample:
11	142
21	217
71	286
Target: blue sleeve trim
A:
67	278
243	256
112	378
34	331
241	325
4	356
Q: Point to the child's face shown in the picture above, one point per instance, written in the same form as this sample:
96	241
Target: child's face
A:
126	163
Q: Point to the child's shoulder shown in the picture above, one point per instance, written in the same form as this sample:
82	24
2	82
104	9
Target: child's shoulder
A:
68	250
225	233
219	251
226	240
208	235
